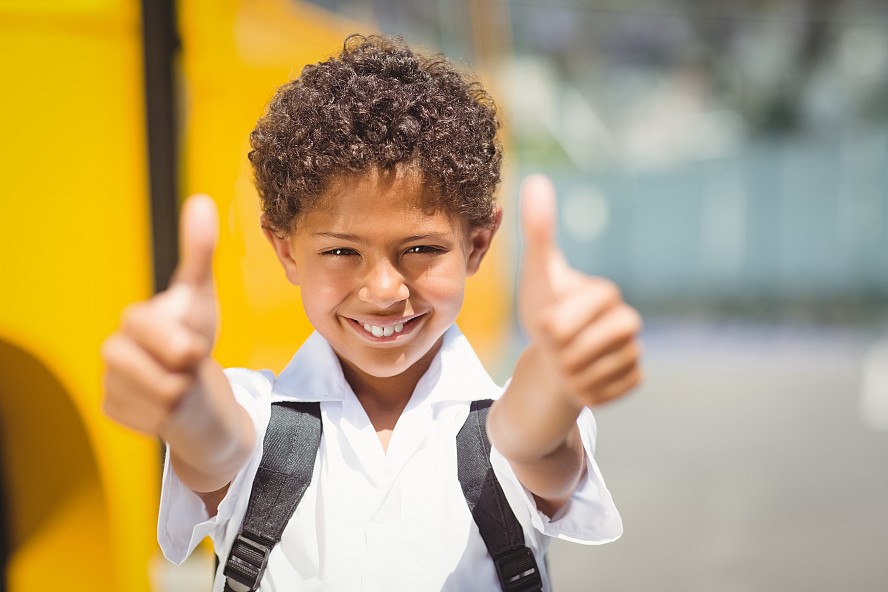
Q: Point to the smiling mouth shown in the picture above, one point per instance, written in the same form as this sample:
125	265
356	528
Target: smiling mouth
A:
388	330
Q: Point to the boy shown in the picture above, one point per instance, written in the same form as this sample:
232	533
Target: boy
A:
377	170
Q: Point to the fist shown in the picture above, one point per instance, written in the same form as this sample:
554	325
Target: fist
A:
582	327
152	361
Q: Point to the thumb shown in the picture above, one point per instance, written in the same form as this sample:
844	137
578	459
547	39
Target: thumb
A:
538	215
543	259
198	235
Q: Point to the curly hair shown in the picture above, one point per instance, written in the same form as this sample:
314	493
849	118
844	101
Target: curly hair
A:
378	105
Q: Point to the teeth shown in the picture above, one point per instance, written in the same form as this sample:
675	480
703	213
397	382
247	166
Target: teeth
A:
383	331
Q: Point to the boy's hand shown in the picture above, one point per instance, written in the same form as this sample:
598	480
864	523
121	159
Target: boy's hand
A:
580	324
153	359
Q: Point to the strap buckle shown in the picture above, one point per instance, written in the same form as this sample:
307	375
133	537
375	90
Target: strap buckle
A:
246	564
518	571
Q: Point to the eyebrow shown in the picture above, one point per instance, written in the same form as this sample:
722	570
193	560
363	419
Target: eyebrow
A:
339	235
435	236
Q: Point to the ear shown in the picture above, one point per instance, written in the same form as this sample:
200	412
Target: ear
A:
283	248
480	239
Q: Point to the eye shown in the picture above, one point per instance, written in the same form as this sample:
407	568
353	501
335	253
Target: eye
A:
339	252
424	250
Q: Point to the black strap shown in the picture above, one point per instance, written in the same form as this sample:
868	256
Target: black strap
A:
290	449
502	533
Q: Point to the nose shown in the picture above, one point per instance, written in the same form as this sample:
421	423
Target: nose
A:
383	286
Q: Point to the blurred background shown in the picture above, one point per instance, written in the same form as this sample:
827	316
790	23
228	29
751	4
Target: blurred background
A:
725	163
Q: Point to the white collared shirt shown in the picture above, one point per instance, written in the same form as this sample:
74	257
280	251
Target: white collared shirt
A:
372	520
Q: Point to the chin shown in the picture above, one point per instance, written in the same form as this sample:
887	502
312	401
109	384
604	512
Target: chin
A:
384	368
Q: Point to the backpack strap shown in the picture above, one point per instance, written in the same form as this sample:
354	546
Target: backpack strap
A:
502	533
290	449
288	458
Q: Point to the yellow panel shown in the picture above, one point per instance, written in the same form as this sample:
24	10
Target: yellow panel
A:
66	10
75	238
53	491
75	524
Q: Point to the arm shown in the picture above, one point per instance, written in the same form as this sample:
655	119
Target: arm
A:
536	431
160	379
210	435
583	352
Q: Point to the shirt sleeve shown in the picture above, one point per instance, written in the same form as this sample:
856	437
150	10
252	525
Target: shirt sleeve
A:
183	520
589	517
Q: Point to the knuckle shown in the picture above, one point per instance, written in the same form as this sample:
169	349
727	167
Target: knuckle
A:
547	324
176	350
608	290
637	320
199	347
115	396
170	389
115	352
629	382
132	315
109	349
108	407
578	386
567	367
633	352
612	392
557	326
631	321
116	410
185	348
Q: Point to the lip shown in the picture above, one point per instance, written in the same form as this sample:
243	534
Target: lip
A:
410	325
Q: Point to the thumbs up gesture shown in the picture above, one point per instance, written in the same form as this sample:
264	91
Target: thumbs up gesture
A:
154	359
579	324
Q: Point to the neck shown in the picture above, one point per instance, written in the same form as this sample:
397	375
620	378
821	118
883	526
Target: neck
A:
387	394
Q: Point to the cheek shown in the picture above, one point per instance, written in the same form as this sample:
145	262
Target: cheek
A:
320	294
445	290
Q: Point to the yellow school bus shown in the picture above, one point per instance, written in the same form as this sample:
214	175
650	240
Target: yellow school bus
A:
111	111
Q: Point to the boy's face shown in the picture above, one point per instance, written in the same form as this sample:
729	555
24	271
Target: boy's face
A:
381	277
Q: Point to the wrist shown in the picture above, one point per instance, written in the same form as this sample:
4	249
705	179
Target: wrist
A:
542	364
533	418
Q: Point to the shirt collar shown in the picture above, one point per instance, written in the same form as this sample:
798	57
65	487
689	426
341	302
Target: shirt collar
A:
455	374
313	374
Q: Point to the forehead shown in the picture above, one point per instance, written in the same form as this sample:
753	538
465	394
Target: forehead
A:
378	198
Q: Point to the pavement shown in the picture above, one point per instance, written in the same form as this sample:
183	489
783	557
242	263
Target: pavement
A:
754	459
